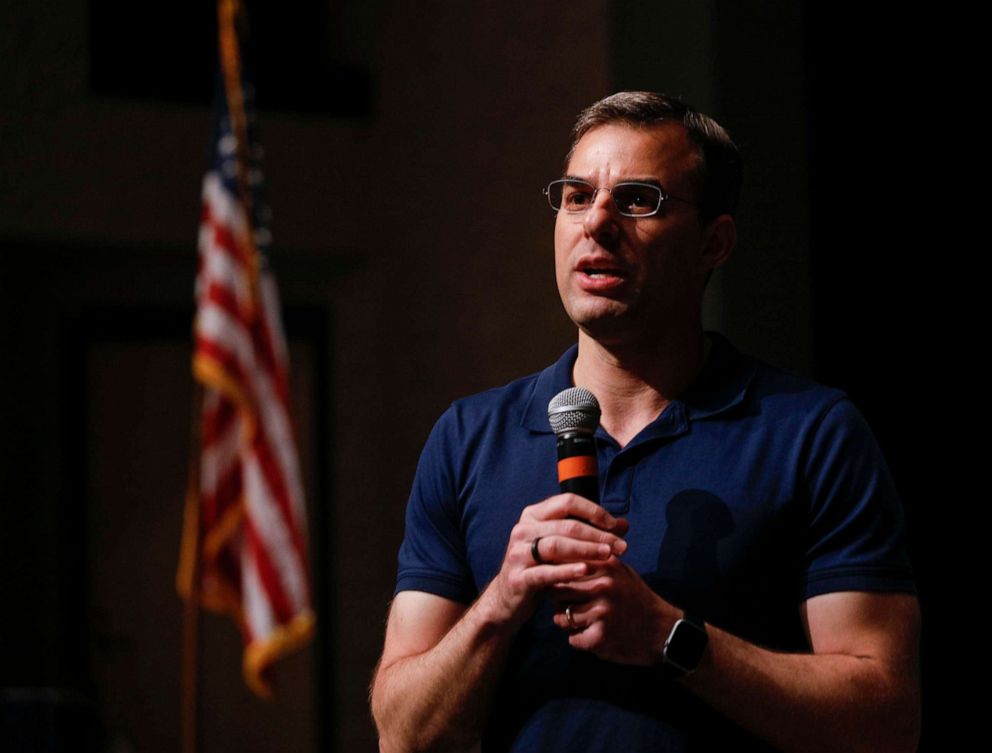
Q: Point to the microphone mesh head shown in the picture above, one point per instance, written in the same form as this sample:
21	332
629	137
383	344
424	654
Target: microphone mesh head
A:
574	409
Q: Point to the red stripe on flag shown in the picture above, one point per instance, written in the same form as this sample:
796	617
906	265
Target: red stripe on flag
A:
227	360
226	300
275	481
266	353
226	495
267	574
217	422
222	237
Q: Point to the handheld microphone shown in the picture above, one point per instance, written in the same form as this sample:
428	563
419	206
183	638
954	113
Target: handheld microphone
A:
574	415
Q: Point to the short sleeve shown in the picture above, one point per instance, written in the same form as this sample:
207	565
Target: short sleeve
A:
432	556
856	529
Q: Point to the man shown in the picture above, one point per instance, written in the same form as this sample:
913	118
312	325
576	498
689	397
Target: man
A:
744	581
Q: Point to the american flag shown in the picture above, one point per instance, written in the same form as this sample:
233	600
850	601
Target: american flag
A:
249	520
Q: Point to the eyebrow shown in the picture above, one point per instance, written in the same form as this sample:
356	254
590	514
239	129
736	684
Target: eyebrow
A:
648	181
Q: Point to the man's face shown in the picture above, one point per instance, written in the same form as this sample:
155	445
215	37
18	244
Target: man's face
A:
620	277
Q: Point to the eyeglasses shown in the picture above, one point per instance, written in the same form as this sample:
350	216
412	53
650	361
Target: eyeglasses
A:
632	199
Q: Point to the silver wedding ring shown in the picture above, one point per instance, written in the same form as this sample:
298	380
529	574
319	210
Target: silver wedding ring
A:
569	618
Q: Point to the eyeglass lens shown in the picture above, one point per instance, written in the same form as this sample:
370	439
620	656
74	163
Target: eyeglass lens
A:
632	199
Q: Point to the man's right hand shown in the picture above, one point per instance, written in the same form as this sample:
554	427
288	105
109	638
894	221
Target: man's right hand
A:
438	671
565	532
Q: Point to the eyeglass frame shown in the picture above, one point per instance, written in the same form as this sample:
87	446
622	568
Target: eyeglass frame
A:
663	196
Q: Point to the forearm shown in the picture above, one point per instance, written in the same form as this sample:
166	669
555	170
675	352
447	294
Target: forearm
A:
439	699
441	663
857	690
811	702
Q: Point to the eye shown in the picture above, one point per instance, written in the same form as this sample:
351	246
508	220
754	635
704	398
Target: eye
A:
635	198
576	196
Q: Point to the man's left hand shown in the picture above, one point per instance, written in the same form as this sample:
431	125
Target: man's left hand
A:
615	615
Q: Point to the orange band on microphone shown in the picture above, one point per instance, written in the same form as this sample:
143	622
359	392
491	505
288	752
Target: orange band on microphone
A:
579	465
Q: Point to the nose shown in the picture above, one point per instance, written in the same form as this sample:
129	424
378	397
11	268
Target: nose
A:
601	220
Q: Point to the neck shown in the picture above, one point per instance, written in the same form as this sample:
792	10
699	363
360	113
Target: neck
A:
635	382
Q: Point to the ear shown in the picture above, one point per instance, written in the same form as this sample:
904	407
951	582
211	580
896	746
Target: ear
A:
719	239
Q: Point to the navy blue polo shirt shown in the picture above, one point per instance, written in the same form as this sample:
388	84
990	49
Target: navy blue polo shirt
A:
753	492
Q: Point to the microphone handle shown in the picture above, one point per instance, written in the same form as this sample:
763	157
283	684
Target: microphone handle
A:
578	470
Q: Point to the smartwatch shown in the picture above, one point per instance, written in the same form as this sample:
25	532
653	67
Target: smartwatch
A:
685	645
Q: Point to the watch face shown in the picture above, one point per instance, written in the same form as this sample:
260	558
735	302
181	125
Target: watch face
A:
686	645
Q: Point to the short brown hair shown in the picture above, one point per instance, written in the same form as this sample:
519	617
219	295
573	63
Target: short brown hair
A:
720	160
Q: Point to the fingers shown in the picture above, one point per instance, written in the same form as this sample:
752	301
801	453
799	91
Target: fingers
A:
579	530
601	577
577	617
555	541
564	506
530	579
554	544
569	528
556	548
614	614
587	638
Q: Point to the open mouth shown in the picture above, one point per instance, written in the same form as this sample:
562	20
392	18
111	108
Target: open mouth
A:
600	271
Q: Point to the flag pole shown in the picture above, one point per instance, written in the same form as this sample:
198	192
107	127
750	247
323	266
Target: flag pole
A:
191	556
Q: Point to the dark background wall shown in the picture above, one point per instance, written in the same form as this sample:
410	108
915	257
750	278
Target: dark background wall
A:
395	308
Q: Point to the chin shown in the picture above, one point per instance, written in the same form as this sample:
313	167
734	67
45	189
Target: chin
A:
606	328
591	309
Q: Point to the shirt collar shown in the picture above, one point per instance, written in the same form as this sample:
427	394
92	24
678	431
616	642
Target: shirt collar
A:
721	385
